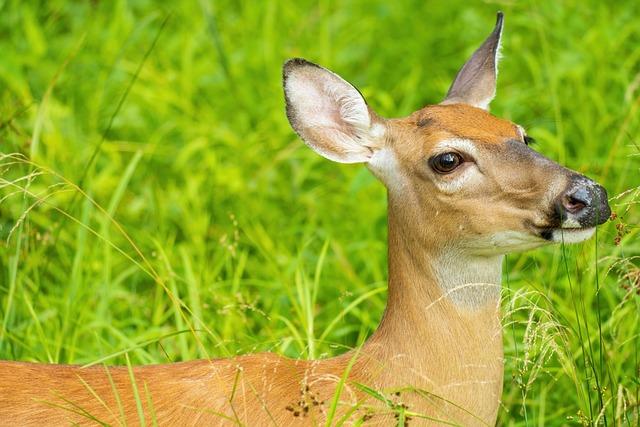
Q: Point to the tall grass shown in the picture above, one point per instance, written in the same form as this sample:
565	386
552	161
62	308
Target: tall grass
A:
155	205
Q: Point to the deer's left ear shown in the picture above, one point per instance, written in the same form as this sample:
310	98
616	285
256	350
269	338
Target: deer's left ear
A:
475	83
329	114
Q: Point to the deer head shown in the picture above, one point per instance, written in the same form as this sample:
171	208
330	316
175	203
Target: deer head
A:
460	181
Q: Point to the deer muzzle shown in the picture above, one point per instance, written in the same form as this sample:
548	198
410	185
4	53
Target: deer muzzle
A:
583	204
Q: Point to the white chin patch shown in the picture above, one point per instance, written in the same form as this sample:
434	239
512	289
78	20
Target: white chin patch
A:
572	235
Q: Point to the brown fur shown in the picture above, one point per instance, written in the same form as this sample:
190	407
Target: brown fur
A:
437	354
423	342
455	356
465	121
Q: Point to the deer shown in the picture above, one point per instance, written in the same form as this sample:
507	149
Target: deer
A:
464	188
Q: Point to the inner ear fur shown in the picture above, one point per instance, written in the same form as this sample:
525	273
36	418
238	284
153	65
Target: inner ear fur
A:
328	113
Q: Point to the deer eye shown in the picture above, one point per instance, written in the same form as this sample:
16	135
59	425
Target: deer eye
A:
446	162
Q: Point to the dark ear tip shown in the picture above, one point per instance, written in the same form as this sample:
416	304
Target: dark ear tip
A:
499	19
293	63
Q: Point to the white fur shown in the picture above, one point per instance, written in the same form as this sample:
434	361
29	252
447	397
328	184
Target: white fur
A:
518	241
484	104
330	114
571	223
316	99
568	235
503	242
353	108
453	183
461	145
456	184
378	131
468	280
384	165
499	54
470	274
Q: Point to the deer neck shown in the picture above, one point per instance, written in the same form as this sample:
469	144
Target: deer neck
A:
441	329
432	282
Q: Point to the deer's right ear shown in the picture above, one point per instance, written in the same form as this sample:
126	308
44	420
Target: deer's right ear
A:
328	113
475	83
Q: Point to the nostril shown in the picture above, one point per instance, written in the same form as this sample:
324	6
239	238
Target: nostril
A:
573	204
584	203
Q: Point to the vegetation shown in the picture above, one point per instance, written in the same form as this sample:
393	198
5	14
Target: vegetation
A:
155	205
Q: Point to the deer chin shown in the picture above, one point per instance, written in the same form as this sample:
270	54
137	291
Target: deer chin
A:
504	242
571	235
565	234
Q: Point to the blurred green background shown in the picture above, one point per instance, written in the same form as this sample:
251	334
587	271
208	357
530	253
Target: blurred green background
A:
156	203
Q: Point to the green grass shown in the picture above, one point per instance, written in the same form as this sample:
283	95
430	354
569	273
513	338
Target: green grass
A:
162	209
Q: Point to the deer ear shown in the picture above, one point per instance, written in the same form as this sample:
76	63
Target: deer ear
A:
328	113
475	83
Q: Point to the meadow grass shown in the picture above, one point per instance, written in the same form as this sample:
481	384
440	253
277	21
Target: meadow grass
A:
155	205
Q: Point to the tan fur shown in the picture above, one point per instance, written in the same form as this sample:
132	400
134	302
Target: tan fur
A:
424	341
465	121
456	356
437	353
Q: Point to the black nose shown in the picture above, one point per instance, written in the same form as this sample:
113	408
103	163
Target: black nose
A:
584	202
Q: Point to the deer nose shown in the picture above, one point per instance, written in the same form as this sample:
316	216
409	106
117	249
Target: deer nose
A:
583	204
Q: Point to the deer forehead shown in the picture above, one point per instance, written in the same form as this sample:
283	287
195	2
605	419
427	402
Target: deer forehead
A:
463	122
437	129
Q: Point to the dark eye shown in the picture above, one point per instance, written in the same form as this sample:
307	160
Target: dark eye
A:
529	140
446	162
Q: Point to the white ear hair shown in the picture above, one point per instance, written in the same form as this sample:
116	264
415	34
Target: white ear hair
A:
328	113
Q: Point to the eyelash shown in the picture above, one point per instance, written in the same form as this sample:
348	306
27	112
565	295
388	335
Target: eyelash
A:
529	140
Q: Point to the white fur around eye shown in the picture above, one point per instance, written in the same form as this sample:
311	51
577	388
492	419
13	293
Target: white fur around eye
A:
456	184
461	145
466	174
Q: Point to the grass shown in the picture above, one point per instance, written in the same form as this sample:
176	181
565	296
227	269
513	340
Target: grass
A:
159	208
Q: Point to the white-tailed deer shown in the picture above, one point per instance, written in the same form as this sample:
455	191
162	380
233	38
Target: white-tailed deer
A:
464	188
